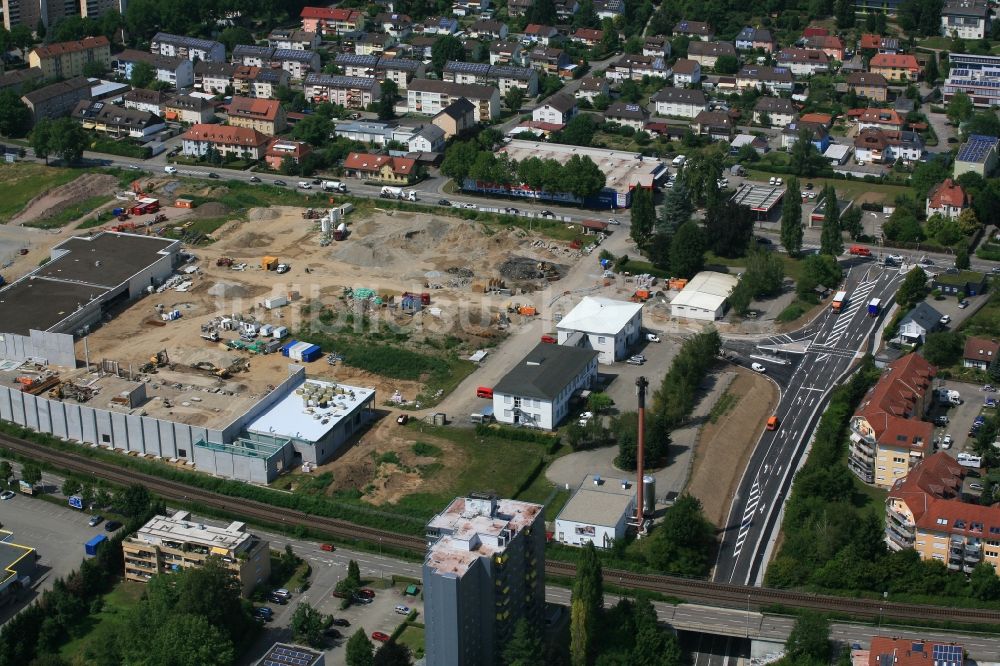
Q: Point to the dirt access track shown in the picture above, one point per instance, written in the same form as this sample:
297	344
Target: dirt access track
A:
387	251
51	202
724	447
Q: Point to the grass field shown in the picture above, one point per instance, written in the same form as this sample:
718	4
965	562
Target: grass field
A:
100	628
793	267
23	182
413	638
73	213
846	189
986	322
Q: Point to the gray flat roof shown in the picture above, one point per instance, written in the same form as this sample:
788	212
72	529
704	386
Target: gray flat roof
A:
545	371
759	197
41	304
10	553
120	256
599	504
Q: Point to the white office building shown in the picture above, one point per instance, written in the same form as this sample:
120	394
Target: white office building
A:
598	512
605	325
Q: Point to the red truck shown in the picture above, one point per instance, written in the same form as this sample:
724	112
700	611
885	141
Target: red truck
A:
860	251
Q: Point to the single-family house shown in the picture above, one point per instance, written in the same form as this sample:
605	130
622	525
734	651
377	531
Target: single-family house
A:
947	198
694	30
751	39
488	29
680	102
775	80
213	77
918	322
686	73
592	86
279	150
558	110
869	85
804	62
629	115
707	53
831	45
141	99
979	353
457	118
505	52
540	34
774	112
895	66
381	168
293	39
717	125
966	19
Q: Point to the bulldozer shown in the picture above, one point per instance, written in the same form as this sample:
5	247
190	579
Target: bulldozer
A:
157	360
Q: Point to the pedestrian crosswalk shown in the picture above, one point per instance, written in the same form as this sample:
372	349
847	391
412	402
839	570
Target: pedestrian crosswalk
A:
857	299
748	512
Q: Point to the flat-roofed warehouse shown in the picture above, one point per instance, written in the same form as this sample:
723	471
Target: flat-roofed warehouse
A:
623	171
598	512
761	199
704	296
86	275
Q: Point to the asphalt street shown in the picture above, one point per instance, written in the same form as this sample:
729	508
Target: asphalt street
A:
820	354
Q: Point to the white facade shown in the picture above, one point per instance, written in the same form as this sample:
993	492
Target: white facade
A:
547	113
605	325
598	513
704	297
966	19
537	392
680	103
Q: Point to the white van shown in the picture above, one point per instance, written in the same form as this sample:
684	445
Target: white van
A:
679	161
170	169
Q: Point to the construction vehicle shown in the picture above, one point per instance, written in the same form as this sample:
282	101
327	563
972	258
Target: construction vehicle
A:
334	186
211	336
224	261
311	214
160	358
160	217
389	192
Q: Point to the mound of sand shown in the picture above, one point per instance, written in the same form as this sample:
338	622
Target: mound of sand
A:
260	214
228	290
253	239
211	209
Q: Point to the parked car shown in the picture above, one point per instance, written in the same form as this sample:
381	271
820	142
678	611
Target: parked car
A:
341	622
6	495
989	388
652	337
282	592
333	633
111	525
264	613
277	599
946	442
757	367
613	221
367	593
380	636
402	610
975	486
635	361
95	520
809	186
360	600
941	420
945	320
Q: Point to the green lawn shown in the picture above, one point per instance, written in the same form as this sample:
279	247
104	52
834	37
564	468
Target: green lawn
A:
100	628
73	213
23	182
793	267
938	42
413	638
986	321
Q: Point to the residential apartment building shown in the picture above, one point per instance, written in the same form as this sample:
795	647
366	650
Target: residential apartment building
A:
117	121
775	80
694	30
264	115
707	53
981	85
592	86
181	46
556	110
871	86
252	55
169	543
352	92
547	59
484	572
64	60
628	115
966	19
373	43
680	102
488	29
189	109
213	77
259	82
925	512
237	142
400	71
381	168
887	434
506	78
537	391
430	97
636	66
332	20
290	39
150	101
980	353
776	111
895	66
887	650
352	64
296	63
804	62
15	79
57	99
175	71
880	146
466	72
32	12
947	198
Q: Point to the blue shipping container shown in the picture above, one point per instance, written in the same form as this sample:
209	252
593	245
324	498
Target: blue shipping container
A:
287	346
91	546
311	354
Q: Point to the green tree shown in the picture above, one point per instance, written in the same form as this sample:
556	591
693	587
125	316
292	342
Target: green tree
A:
643	215
68	140
913	289
986	123
587	606
31	473
235	35
387	102
458	160
984	582
764	274
525	648
684	543
962	261
728	229
687	250
354	572
70	486
95	69
543	12
586	15
943	348
844	12
654	645
202	643
444	49
133	501
791	219
610	42
804	157
142	75
289	166
307	625
393	654
6	471
831	238
212	592
677	208
579	131
809	640
21	37
585	178
993	370
514	98
819	269
42	139
727	64
314	129
931	73
850	222
360	651
15	118
959	108
599	401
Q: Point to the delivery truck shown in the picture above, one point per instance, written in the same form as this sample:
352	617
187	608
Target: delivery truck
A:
839	299
874	307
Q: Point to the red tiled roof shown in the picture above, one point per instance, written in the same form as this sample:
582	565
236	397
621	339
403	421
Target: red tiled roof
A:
981	349
820	118
62	48
948	193
226	134
907	652
402	166
538	29
250	107
815	32
894	60
329	14
888	406
870	41
588	34
880	116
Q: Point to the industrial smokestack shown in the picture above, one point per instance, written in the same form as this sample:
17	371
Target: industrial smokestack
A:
640	389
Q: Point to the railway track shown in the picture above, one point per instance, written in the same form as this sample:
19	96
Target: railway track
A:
694	590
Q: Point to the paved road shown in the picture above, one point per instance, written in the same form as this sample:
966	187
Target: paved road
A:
826	348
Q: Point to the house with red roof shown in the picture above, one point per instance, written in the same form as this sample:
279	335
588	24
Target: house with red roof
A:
924	511
889	650
948	198
885	119
588	36
237	142
895	66
280	150
332	20
887	434
831	45
980	352
381	168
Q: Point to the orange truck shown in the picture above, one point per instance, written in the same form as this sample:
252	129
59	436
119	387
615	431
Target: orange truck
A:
839	299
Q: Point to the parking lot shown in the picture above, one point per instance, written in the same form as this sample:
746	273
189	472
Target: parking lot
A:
960	417
56	533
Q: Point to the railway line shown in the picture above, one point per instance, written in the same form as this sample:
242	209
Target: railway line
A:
694	590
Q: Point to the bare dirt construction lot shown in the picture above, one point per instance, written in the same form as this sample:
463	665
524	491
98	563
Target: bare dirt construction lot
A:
49	202
724	446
